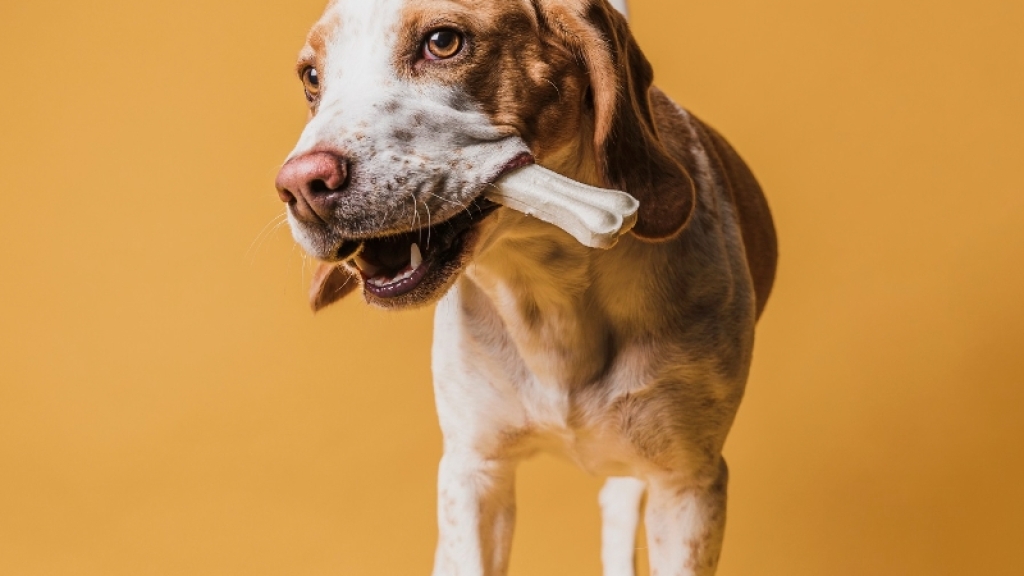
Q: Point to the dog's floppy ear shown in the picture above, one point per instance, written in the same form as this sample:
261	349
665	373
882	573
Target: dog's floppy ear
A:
630	154
331	282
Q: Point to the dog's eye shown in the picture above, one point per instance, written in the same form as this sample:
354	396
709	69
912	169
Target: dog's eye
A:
311	82
442	44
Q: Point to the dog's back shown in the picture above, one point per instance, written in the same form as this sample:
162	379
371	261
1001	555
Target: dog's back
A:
755	219
731	175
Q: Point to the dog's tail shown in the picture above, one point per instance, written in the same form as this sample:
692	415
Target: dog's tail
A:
622	6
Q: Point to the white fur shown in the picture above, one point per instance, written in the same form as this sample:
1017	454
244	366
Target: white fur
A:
620	517
365	105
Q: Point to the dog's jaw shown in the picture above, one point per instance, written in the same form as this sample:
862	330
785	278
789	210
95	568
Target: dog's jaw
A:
417	268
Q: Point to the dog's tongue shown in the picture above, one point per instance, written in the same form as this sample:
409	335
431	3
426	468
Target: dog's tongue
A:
596	217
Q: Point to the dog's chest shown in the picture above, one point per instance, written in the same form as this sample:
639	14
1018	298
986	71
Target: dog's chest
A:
547	384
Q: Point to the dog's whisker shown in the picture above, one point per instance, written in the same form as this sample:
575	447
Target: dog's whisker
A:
268	230
443	199
387	214
427	207
416	213
559	92
266	226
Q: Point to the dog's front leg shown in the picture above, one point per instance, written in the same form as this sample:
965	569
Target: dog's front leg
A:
685	523
476	515
620	517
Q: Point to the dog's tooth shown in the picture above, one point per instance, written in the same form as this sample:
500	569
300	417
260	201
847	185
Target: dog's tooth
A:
365	267
415	256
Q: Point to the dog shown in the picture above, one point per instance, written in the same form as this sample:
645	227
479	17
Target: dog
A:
631	361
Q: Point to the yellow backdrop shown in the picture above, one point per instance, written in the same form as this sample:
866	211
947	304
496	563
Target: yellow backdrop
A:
169	406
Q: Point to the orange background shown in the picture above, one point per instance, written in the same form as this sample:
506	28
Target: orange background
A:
169	406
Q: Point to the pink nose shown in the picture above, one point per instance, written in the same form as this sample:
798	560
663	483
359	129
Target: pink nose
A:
312	184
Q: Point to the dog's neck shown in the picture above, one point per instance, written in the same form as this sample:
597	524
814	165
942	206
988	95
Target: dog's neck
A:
538	280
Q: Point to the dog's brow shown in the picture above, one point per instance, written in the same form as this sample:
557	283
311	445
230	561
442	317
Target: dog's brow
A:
316	41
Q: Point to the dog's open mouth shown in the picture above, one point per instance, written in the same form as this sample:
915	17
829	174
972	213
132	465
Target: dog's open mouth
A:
397	265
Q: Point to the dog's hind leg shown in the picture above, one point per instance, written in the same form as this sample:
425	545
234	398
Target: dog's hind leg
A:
685	523
620	516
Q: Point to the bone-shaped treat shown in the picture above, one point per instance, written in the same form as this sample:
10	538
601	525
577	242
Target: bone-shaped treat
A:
596	217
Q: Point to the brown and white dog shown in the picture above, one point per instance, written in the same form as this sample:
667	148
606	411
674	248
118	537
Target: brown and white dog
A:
630	361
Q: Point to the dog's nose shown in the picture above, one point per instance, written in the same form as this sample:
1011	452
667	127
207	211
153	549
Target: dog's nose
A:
312	184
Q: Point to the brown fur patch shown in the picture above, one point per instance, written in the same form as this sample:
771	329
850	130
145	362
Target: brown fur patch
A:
732	173
330	284
527	82
630	151
755	218
534	70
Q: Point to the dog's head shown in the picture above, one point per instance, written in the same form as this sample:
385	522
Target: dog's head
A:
417	106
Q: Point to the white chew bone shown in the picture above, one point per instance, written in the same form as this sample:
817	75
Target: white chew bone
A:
596	217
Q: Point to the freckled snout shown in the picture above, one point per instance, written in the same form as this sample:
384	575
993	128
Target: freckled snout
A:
312	184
